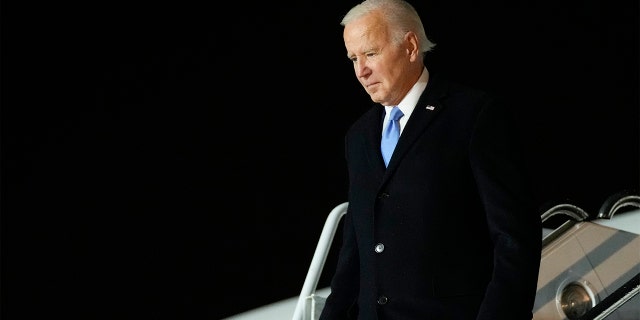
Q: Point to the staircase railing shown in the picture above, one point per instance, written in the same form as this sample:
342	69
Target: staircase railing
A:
303	310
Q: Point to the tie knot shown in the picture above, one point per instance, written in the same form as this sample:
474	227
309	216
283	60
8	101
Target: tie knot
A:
395	114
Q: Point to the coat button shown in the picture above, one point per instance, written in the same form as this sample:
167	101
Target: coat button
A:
382	300
383	195
379	248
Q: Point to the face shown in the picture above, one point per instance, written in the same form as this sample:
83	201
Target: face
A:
386	70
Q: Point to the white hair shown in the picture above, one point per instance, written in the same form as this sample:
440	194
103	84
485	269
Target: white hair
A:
401	17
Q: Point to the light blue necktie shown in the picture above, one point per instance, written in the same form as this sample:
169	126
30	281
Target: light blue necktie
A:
390	135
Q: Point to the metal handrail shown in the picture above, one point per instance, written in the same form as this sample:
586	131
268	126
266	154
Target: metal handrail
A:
573	212
615	202
320	256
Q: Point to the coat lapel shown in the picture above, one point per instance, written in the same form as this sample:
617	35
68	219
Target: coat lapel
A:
428	107
373	139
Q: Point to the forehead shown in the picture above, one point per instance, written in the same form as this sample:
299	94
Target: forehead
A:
365	32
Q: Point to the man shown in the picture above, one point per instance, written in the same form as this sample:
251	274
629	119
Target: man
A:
447	230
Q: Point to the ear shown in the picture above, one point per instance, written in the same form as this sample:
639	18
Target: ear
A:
412	45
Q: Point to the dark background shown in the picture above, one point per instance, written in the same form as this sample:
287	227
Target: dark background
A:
174	161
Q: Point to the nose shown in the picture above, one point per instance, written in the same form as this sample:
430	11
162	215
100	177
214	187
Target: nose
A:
361	68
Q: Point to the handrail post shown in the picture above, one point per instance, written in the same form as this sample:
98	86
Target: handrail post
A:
320	256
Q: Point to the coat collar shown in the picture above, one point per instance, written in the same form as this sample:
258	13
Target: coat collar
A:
428	107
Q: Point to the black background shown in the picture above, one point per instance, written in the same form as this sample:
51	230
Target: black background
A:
178	160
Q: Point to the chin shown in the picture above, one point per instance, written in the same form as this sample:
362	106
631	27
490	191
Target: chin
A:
375	98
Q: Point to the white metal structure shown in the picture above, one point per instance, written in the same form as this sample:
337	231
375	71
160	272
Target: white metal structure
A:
309	305
590	269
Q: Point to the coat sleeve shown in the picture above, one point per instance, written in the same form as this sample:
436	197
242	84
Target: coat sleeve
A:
514	224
